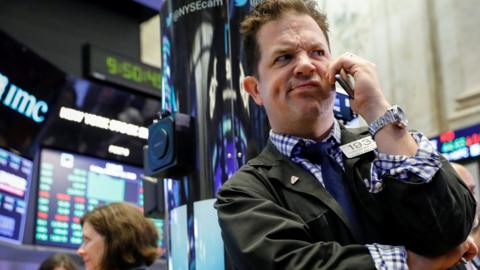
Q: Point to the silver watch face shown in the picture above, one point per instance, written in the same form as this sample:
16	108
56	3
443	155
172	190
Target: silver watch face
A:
400	116
394	115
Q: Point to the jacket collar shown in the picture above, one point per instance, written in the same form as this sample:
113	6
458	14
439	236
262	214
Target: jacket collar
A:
270	156
283	170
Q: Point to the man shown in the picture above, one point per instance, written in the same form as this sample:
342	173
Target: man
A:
292	207
467	178
465	175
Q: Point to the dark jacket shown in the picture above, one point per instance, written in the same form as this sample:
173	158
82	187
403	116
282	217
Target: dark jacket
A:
269	223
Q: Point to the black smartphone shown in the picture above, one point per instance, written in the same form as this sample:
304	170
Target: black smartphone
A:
342	109
346	85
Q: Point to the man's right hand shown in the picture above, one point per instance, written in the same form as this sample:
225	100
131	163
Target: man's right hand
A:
467	250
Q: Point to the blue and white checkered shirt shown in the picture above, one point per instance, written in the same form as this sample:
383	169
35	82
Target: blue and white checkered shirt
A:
424	164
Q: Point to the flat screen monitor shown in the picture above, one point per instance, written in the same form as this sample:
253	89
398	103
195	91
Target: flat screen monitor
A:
101	120
15	175
71	185
29	88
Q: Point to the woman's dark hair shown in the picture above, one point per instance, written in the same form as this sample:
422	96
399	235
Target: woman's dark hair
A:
130	238
58	260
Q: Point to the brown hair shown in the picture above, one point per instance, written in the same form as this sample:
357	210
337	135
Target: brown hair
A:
130	238
58	260
270	10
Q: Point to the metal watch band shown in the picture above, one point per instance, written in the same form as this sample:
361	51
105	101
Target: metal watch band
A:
394	115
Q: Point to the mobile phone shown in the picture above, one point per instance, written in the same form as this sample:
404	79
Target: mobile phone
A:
346	85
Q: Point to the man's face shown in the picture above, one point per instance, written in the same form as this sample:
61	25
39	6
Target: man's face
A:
291	80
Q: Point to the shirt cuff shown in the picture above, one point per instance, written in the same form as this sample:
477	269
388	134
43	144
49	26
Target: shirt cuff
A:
424	165
388	257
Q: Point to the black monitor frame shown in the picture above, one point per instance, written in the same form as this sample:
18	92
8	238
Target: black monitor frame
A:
33	203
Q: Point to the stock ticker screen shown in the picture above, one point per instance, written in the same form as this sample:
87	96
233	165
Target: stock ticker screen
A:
15	175
71	185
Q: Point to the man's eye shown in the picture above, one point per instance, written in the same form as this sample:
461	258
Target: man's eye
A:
318	53
283	58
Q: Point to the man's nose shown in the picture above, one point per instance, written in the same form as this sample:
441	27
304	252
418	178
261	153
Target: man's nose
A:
304	65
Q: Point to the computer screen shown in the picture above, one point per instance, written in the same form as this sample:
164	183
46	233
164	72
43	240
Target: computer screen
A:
102	120
29	87
15	175
71	185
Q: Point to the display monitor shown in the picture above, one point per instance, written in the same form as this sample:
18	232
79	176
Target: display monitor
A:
29	88
15	175
100	120
71	185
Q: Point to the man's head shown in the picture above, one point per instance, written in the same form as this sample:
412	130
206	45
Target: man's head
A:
467	178
270	10
465	175
286	44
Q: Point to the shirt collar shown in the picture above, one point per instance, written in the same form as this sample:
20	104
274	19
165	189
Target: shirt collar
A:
286	143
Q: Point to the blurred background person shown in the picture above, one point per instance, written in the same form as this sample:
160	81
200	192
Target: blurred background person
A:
465	175
467	178
58	262
118	237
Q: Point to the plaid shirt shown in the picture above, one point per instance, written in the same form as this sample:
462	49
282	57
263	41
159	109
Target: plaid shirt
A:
424	164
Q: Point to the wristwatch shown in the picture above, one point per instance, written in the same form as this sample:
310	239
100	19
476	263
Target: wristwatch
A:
394	115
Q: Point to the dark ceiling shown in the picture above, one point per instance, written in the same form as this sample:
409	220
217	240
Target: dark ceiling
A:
129	8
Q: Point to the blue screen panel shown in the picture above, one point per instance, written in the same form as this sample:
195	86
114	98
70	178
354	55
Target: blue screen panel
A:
15	178
208	238
178	257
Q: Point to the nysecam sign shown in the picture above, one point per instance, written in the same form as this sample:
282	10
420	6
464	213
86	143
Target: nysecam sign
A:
21	101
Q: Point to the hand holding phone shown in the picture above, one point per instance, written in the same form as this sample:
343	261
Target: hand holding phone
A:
346	82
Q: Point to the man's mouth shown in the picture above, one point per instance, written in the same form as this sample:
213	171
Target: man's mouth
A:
306	84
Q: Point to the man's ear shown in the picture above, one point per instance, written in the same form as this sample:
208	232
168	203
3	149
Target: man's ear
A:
250	84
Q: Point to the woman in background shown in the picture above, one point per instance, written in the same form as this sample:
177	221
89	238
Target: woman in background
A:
118	237
58	262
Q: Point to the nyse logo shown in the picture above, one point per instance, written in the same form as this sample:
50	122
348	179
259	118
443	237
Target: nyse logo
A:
21	101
